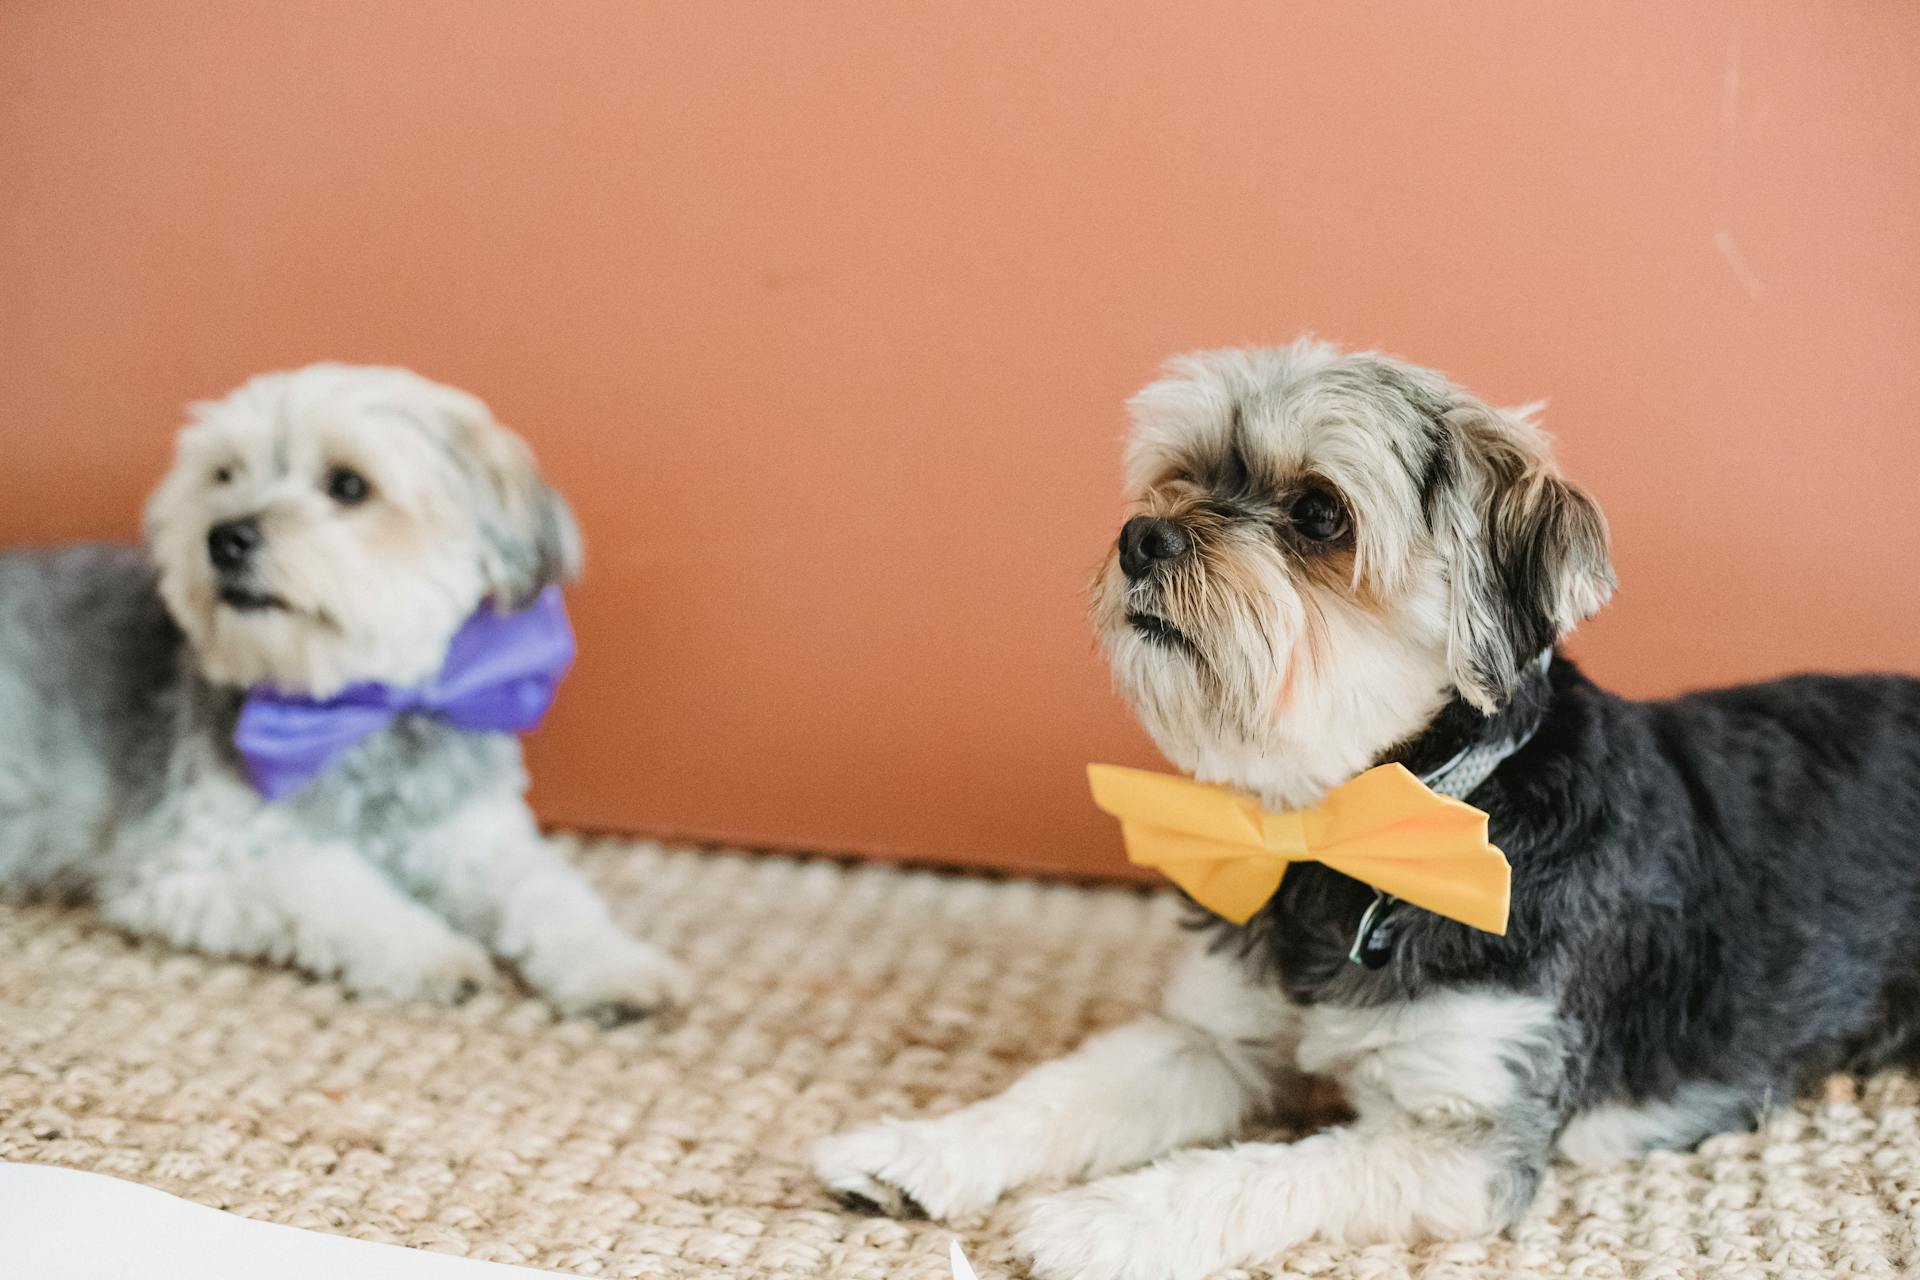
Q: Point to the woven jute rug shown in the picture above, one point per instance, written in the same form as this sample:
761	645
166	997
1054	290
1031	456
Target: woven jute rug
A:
829	995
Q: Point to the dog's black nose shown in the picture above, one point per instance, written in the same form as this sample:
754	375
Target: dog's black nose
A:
1146	541
230	542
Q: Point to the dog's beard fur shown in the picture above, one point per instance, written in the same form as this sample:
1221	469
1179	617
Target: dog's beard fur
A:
1283	665
455	514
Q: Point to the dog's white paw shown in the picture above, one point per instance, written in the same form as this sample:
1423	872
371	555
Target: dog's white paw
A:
1121	1228
437	967
615	980
909	1168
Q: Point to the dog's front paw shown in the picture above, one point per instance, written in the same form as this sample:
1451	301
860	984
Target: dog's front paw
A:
439	968
1123	1228
616	980
909	1169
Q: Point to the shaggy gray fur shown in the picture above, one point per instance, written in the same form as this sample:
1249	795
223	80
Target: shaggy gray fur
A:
104	729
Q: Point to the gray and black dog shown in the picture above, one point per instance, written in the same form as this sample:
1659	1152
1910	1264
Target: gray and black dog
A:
327	527
1338	560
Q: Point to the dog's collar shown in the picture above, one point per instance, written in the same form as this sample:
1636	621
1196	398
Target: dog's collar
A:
1474	763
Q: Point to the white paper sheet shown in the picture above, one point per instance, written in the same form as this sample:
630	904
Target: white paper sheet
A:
61	1224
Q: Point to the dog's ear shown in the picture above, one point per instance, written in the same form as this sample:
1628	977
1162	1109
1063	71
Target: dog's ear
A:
528	537
1526	551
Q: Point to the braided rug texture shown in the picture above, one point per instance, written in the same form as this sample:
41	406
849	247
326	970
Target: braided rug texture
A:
830	995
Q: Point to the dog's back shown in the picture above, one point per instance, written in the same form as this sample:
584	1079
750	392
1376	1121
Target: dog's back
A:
1806	798
87	658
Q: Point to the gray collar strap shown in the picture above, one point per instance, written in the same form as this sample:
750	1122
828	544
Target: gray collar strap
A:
1475	764
1459	776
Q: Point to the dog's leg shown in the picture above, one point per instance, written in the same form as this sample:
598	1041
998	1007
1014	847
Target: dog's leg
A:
490	871
1200	1212
1216	1058
1456	1095
319	907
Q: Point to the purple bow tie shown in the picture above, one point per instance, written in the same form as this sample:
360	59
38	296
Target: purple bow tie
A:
499	677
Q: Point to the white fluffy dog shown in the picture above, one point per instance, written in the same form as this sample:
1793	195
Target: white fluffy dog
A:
322	531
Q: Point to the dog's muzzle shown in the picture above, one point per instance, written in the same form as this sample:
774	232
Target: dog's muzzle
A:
231	545
1149	544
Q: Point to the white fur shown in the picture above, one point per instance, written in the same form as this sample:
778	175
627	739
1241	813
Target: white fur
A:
1608	1134
490	872
231	877
1422	1077
1200	1212
1443	1058
1214	1059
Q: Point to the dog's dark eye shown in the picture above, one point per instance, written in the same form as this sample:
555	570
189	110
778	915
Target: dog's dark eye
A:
1318	516
222	474
347	487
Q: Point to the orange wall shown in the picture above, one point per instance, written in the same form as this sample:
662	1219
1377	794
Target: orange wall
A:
823	314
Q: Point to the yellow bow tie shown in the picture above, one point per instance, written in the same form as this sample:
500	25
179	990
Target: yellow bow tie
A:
1384	828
